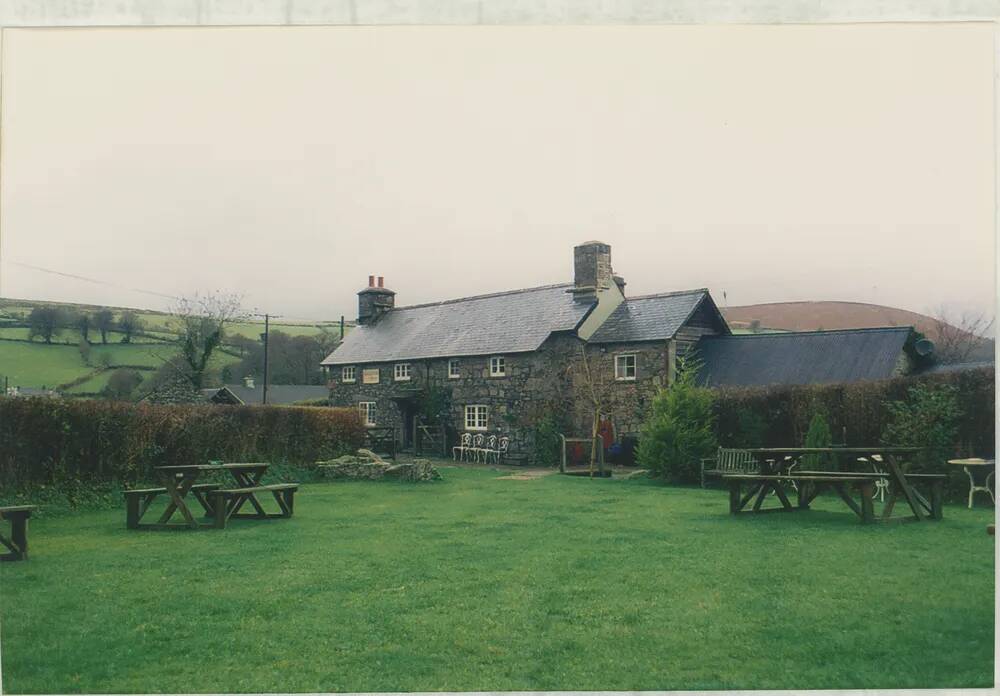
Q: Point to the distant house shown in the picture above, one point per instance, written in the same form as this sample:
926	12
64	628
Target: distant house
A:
250	393
507	359
33	391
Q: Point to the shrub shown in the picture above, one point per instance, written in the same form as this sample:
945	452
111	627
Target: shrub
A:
48	441
818	436
929	419
680	429
121	384
547	442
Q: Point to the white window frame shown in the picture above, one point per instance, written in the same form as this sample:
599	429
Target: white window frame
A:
366	409
456	373
398	371
349	370
480	417
621	375
501	361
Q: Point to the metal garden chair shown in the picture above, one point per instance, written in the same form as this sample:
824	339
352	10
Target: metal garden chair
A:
464	445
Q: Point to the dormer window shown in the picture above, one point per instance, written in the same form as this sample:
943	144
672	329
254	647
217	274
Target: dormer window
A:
453	371
402	372
498	366
348	375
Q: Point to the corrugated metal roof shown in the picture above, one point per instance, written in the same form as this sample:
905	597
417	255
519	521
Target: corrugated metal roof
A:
814	357
507	322
649	318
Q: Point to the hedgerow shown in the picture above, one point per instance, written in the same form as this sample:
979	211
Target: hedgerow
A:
54	441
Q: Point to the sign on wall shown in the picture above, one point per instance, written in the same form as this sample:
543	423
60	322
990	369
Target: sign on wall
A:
369	376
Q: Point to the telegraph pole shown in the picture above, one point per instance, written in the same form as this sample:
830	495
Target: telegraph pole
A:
267	322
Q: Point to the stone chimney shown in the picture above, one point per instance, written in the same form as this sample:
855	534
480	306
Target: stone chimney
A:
374	301
592	269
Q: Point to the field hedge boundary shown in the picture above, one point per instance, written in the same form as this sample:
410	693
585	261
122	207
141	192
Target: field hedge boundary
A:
858	411
52	441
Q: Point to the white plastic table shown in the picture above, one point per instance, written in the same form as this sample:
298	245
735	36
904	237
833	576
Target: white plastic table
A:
976	462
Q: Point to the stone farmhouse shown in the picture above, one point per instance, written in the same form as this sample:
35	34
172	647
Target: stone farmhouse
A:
499	362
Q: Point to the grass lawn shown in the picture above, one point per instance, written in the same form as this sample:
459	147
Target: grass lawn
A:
481	583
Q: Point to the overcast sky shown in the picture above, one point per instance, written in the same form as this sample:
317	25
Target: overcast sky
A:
770	163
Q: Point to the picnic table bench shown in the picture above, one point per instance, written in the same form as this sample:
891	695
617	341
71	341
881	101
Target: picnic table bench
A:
226	502
218	503
774	473
17	543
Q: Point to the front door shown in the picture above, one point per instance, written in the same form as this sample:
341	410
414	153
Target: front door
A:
409	419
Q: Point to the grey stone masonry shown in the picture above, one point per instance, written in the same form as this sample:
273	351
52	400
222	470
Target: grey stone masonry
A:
532	383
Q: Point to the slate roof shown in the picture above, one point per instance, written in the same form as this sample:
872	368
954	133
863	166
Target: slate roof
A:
506	322
960	367
649	317
277	394
813	357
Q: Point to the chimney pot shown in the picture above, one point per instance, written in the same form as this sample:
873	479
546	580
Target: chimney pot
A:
381	281
371	281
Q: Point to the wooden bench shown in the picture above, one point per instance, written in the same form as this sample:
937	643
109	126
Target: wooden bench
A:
17	544
728	461
809	486
138	500
226	502
934	507
812	483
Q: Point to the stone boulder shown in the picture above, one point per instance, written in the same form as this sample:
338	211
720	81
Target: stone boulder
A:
368	466
417	470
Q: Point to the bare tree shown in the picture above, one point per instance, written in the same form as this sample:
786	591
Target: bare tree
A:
201	327
594	382
958	338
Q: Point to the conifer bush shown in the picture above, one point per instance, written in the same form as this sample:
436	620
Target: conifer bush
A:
680	429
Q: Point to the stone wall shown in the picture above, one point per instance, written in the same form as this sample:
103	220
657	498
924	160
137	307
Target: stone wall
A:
533	383
625	401
552	379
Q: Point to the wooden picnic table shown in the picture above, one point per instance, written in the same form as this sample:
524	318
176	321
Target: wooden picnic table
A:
179	481
17	544
775	463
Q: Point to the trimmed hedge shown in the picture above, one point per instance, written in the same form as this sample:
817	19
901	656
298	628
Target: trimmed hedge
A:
48	441
858	412
858	407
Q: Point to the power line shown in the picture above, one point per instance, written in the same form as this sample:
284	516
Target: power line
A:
154	293
92	280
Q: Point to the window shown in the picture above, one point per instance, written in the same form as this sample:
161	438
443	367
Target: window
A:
366	409
453	369
625	367
476	417
347	374
402	372
498	366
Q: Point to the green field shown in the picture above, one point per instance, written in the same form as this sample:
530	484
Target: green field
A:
480	583
37	365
